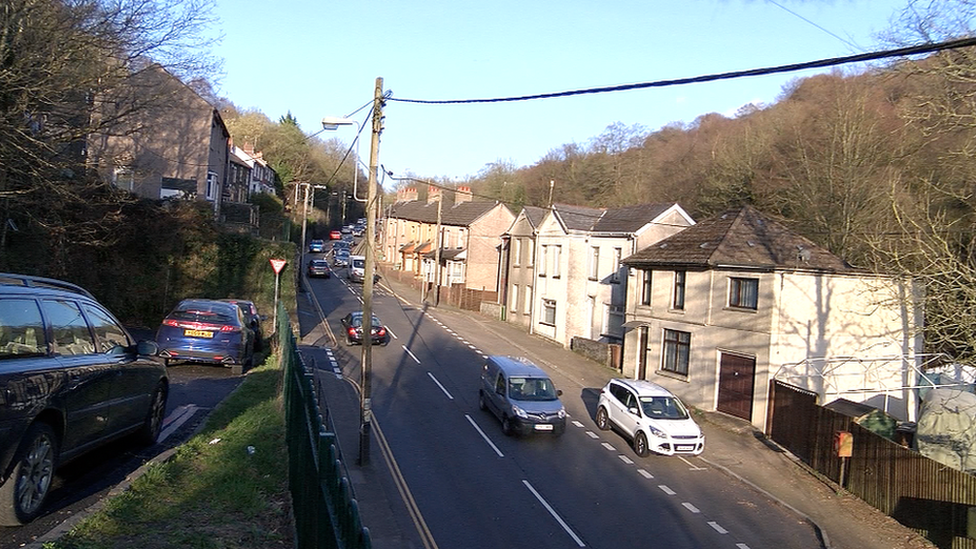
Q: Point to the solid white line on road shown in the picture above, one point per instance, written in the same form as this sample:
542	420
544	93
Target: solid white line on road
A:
441	386
552	512
415	359
577	424
645	474
592	435
690	507
718	528
626	459
666	490
484	436
173	422
609	446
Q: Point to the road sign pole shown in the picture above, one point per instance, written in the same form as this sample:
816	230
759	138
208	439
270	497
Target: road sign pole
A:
277	265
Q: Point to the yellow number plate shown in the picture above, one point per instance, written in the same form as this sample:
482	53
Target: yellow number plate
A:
198	333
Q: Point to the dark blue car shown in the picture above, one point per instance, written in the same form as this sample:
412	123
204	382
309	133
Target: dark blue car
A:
203	330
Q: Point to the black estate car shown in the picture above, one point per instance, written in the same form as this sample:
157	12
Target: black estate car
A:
71	379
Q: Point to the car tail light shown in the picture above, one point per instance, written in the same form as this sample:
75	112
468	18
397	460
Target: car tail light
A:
351	331
171	322
227	328
381	331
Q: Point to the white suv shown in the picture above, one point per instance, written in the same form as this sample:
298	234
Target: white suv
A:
648	414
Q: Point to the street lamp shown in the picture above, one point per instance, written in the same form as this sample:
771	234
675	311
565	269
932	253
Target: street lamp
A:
333	123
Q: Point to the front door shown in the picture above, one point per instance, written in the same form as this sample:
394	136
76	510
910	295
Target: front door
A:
736	384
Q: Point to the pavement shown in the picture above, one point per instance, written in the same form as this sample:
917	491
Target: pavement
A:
745	455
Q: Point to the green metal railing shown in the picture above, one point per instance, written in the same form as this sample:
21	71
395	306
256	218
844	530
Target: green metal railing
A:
323	502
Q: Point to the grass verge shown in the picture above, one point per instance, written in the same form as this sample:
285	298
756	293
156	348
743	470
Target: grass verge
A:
213	493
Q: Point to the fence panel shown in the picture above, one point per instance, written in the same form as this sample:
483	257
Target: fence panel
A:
323	502
920	493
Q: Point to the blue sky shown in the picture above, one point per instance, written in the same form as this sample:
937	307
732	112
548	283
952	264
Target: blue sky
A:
319	59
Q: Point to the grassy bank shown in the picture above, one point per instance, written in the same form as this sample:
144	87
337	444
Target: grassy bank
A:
215	492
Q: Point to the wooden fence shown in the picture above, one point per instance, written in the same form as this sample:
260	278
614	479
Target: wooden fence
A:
934	500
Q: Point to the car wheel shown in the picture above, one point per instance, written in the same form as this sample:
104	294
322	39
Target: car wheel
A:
154	418
22	495
640	444
507	426
602	419
349	342
481	401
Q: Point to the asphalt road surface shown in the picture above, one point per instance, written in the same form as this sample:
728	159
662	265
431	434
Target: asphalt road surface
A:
477	488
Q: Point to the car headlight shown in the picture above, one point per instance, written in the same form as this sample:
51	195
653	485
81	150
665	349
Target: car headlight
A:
657	432
562	413
519	412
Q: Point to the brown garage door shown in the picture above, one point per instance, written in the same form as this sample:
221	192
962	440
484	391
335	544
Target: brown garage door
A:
736	382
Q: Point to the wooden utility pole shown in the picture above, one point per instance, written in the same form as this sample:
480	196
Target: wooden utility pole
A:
365	409
437	254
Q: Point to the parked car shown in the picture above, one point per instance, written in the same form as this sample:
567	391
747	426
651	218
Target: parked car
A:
71	380
319	267
352	326
650	416
208	331
521	396
335	235
254	319
316	246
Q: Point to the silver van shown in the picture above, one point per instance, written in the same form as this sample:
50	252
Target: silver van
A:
357	268
522	396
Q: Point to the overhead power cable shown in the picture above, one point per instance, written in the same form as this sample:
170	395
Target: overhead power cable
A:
834	61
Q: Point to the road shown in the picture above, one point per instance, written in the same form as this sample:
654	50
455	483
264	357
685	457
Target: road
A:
477	488
194	390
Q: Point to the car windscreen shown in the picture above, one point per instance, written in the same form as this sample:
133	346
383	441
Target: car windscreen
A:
663	407
204	314
359	263
531	388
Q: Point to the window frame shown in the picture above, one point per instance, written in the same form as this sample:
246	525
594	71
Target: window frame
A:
678	292
739	291
594	267
646	287
618	255
548	312
676	352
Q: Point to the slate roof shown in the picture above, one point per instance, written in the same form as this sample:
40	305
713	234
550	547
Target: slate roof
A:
741	238
463	214
535	214
628	219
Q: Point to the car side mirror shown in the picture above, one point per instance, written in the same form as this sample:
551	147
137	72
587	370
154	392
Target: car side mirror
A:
147	348
559	392
634	411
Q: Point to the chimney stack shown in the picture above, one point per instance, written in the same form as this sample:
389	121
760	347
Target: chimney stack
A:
433	194
463	194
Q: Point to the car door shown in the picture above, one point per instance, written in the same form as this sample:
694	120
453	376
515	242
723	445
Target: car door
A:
134	379
497	399
623	402
87	401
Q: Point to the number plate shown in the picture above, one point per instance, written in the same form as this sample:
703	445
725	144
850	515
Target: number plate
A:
685	448
543	427
198	333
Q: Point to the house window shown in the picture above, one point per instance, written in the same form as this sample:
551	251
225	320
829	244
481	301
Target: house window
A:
542	261
556	258
615	321
517	252
678	302
677	348
531	253
594	269
615	274
646	287
212	185
528	300
123	177
744	293
549	312
515	296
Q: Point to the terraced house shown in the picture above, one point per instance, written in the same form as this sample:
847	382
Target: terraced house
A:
719	310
